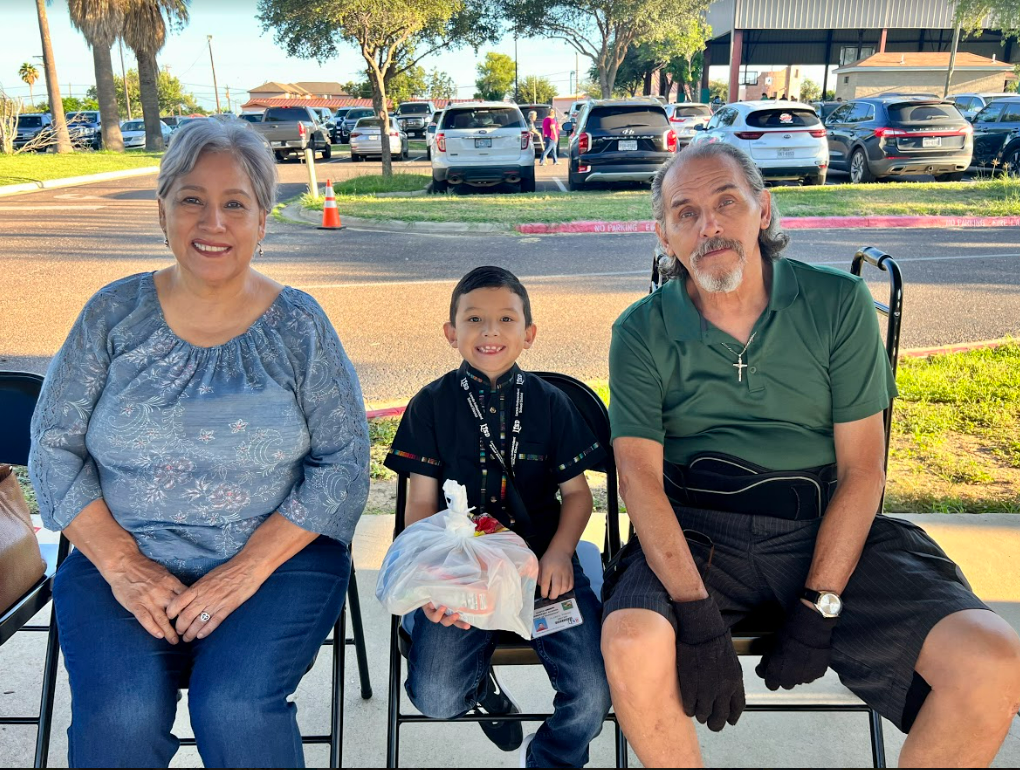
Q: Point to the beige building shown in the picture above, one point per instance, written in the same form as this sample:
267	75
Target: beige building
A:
300	90
773	84
921	73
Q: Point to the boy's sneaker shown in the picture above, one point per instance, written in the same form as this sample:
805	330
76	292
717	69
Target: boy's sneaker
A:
496	700
524	750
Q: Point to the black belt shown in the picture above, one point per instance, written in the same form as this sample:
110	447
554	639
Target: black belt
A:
722	482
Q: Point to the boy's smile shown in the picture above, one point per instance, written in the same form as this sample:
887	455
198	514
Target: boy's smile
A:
490	330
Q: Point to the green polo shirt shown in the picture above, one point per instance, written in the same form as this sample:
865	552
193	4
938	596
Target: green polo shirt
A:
816	359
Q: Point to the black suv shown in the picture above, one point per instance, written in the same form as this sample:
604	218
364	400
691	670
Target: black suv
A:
996	129
619	140
896	135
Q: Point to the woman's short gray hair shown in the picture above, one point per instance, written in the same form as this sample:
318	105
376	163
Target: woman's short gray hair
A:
212	135
771	241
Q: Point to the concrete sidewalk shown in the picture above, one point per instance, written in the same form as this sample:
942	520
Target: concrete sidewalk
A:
987	547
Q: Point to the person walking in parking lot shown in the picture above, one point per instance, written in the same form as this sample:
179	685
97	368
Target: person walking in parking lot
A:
551	134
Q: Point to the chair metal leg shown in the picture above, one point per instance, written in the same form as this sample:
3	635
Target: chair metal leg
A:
354	604
393	710
336	727
49	686
621	747
877	738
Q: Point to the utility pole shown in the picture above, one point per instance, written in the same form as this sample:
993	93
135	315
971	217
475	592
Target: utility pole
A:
123	76
229	108
516	85
213	64
577	77
952	59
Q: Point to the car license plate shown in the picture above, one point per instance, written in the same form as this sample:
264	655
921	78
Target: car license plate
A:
931	141
784	153
483	143
627	145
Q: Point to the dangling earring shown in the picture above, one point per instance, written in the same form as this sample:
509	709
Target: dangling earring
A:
166	242
260	248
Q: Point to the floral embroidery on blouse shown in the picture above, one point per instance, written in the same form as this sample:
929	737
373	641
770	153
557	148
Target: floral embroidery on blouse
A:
192	448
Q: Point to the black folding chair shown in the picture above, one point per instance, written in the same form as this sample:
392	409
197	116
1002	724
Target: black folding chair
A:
752	635
19	392
512	650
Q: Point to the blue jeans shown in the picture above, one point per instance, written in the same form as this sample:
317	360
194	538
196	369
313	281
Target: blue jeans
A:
124	682
551	147
447	665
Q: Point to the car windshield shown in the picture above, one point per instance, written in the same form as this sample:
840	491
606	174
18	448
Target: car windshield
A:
251	117
414	109
363	113
342	112
541	110
615	118
692	110
782	118
484	117
369	123
82	117
285	115
133	125
919	113
29	121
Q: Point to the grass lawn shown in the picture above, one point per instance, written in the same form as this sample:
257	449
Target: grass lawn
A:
40	167
955	446
990	197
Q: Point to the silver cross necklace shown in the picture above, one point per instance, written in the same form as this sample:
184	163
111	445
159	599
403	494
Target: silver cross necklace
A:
740	365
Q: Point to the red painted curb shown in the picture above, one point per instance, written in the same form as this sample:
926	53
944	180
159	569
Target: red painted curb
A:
393	411
789	223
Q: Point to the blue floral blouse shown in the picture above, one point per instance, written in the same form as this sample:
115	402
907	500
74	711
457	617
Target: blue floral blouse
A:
192	448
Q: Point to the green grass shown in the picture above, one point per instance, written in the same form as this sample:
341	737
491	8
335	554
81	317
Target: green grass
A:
40	167
370	184
988	197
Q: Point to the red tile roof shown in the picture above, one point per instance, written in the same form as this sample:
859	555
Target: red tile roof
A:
256	104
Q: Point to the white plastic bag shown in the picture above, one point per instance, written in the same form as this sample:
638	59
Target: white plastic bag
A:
489	580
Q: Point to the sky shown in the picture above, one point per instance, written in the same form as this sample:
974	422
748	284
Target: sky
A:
245	56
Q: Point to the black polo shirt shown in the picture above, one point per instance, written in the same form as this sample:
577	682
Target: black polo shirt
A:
440	436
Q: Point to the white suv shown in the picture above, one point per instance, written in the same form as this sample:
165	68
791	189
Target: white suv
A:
786	140
483	144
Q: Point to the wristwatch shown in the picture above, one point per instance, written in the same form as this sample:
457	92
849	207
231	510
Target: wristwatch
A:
828	603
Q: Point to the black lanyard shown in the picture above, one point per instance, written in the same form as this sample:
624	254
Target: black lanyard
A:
483	425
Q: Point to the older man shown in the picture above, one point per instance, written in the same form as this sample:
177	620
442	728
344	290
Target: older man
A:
747	399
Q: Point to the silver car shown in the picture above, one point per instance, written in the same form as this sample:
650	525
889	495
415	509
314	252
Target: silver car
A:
366	139
133	132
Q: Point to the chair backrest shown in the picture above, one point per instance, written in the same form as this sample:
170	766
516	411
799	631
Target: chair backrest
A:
18	393
593	411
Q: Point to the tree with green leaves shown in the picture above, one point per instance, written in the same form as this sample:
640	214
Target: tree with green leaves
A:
171	96
1003	15
407	85
810	91
29	74
146	23
535	90
441	85
390	37
101	22
495	77
718	88
604	30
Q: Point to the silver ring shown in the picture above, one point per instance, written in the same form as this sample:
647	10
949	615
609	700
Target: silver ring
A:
205	617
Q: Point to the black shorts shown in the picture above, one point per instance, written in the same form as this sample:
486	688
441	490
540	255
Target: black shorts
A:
903	585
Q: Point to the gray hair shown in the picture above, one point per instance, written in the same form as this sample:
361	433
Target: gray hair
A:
771	241
208	135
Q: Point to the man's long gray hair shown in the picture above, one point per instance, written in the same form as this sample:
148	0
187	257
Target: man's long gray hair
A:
771	241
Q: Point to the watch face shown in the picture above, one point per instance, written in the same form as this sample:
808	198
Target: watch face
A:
830	605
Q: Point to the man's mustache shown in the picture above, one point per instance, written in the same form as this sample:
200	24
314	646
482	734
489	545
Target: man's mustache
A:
714	244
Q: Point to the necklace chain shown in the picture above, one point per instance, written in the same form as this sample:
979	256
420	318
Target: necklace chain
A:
740	365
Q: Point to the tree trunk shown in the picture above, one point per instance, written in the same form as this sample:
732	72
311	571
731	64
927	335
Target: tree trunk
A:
147	72
107	97
379	103
63	139
648	83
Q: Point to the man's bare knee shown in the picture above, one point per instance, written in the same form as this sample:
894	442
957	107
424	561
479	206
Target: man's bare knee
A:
639	648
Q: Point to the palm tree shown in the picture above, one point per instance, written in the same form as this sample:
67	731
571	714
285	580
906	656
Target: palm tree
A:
29	74
63	143
101	22
145	33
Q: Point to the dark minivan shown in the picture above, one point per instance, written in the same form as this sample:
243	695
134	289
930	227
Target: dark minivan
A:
995	128
619	140
896	135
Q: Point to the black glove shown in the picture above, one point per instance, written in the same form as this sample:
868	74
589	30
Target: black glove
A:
711	680
801	650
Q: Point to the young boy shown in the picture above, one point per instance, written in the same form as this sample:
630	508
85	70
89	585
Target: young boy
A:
537	444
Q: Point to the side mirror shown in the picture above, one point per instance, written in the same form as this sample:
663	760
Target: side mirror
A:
432	128
700	127
568	127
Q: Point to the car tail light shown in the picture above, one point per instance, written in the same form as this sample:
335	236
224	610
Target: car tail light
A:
670	142
301	129
675	119
583	169
890	133
355	134
525	139
394	133
441	142
965	129
817	133
749	134
584	142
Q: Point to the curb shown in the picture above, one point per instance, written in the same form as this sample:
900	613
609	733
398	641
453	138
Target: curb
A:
72	181
963	347
295	212
789	223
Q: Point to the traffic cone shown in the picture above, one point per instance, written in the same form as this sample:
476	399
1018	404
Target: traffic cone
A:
330	215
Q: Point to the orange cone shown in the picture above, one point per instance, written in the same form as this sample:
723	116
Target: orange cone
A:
330	214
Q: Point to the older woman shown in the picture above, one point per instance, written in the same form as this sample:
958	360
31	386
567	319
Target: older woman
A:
201	440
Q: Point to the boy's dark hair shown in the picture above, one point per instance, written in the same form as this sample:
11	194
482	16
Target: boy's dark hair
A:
490	277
